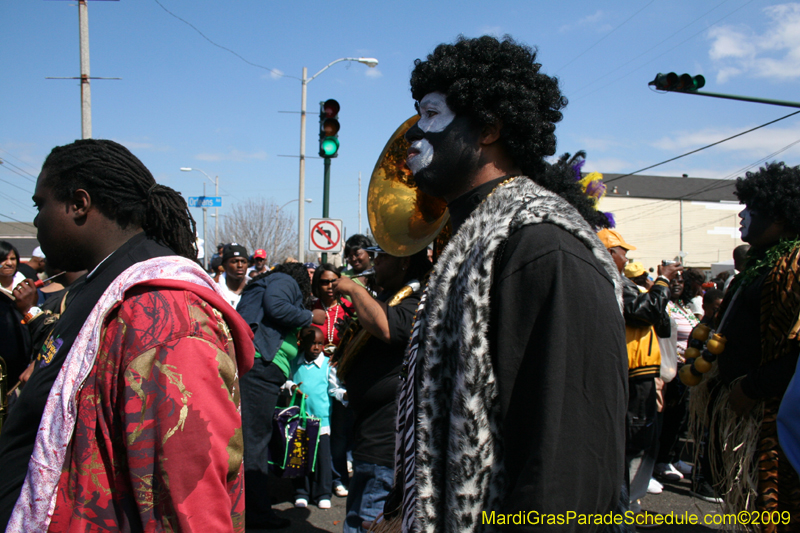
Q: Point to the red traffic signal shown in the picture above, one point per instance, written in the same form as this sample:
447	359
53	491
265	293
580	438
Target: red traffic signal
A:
330	108
673	82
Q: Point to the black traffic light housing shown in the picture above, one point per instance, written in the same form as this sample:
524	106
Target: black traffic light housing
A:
329	129
685	83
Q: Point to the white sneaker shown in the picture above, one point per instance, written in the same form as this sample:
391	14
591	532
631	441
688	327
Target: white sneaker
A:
683	468
324	504
667	472
654	487
301	502
340	491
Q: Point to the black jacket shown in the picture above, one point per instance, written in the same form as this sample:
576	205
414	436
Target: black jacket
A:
273	306
647	308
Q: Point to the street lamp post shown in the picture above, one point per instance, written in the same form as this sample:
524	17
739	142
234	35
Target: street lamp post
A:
278	210
301	223
216	209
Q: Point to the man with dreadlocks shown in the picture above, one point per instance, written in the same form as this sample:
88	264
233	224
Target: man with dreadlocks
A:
760	320
130	420
516	393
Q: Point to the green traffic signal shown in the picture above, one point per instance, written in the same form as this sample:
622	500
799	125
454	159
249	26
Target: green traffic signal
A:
328	147
328	128
673	82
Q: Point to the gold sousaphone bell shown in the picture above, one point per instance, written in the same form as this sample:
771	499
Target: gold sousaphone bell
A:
403	219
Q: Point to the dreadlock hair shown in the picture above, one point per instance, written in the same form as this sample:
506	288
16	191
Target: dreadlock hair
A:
297	271
499	82
774	190
123	190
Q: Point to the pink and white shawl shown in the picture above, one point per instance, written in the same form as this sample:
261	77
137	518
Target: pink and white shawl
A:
36	502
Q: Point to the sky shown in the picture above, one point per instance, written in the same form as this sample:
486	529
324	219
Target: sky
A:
216	86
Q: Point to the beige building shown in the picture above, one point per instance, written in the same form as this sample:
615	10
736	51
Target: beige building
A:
664	217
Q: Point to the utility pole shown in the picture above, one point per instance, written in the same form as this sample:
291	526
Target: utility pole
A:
301	214
86	91
359	201
205	229
301	210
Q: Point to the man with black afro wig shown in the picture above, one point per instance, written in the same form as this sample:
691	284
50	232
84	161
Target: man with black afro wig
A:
759	320
516	394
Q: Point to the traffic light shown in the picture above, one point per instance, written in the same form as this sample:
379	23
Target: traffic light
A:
672	82
328	128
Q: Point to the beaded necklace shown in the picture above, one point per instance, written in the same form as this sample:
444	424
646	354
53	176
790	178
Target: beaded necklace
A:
330	347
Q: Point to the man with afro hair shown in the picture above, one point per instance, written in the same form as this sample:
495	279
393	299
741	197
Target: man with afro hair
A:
759	320
515	393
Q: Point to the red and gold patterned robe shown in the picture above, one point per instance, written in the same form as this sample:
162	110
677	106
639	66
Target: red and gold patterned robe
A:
158	442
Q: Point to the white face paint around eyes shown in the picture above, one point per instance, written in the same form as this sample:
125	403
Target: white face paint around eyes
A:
435	115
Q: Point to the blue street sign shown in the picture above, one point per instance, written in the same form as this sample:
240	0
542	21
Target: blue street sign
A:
205	201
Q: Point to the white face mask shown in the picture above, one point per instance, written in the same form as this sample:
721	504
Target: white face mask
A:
435	116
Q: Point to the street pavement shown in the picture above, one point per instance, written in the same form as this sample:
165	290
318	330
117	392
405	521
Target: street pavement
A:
675	498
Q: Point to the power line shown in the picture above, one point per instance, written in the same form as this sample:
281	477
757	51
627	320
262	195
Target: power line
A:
660	205
16	186
18	173
12	156
664	53
26	229
273	71
703	148
603	37
17	202
649	49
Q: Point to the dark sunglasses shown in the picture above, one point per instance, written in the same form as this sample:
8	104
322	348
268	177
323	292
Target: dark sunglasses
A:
326	281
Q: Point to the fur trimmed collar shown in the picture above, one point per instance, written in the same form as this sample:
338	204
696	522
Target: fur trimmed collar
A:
458	462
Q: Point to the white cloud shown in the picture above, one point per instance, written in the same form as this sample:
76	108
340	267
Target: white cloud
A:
496	31
232	155
774	54
589	20
756	144
373	73
273	74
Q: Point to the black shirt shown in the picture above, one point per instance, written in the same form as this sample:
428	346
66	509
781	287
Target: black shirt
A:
20	429
373	382
742	354
557	339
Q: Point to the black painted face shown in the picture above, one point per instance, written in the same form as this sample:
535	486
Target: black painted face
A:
444	150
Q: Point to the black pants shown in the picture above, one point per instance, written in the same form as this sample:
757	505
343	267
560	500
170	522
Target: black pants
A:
675	418
317	486
641	443
260	389
342	424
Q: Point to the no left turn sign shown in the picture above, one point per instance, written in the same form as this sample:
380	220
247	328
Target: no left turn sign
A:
326	235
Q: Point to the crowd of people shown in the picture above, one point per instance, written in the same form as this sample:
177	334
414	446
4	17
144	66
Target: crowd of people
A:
531	366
